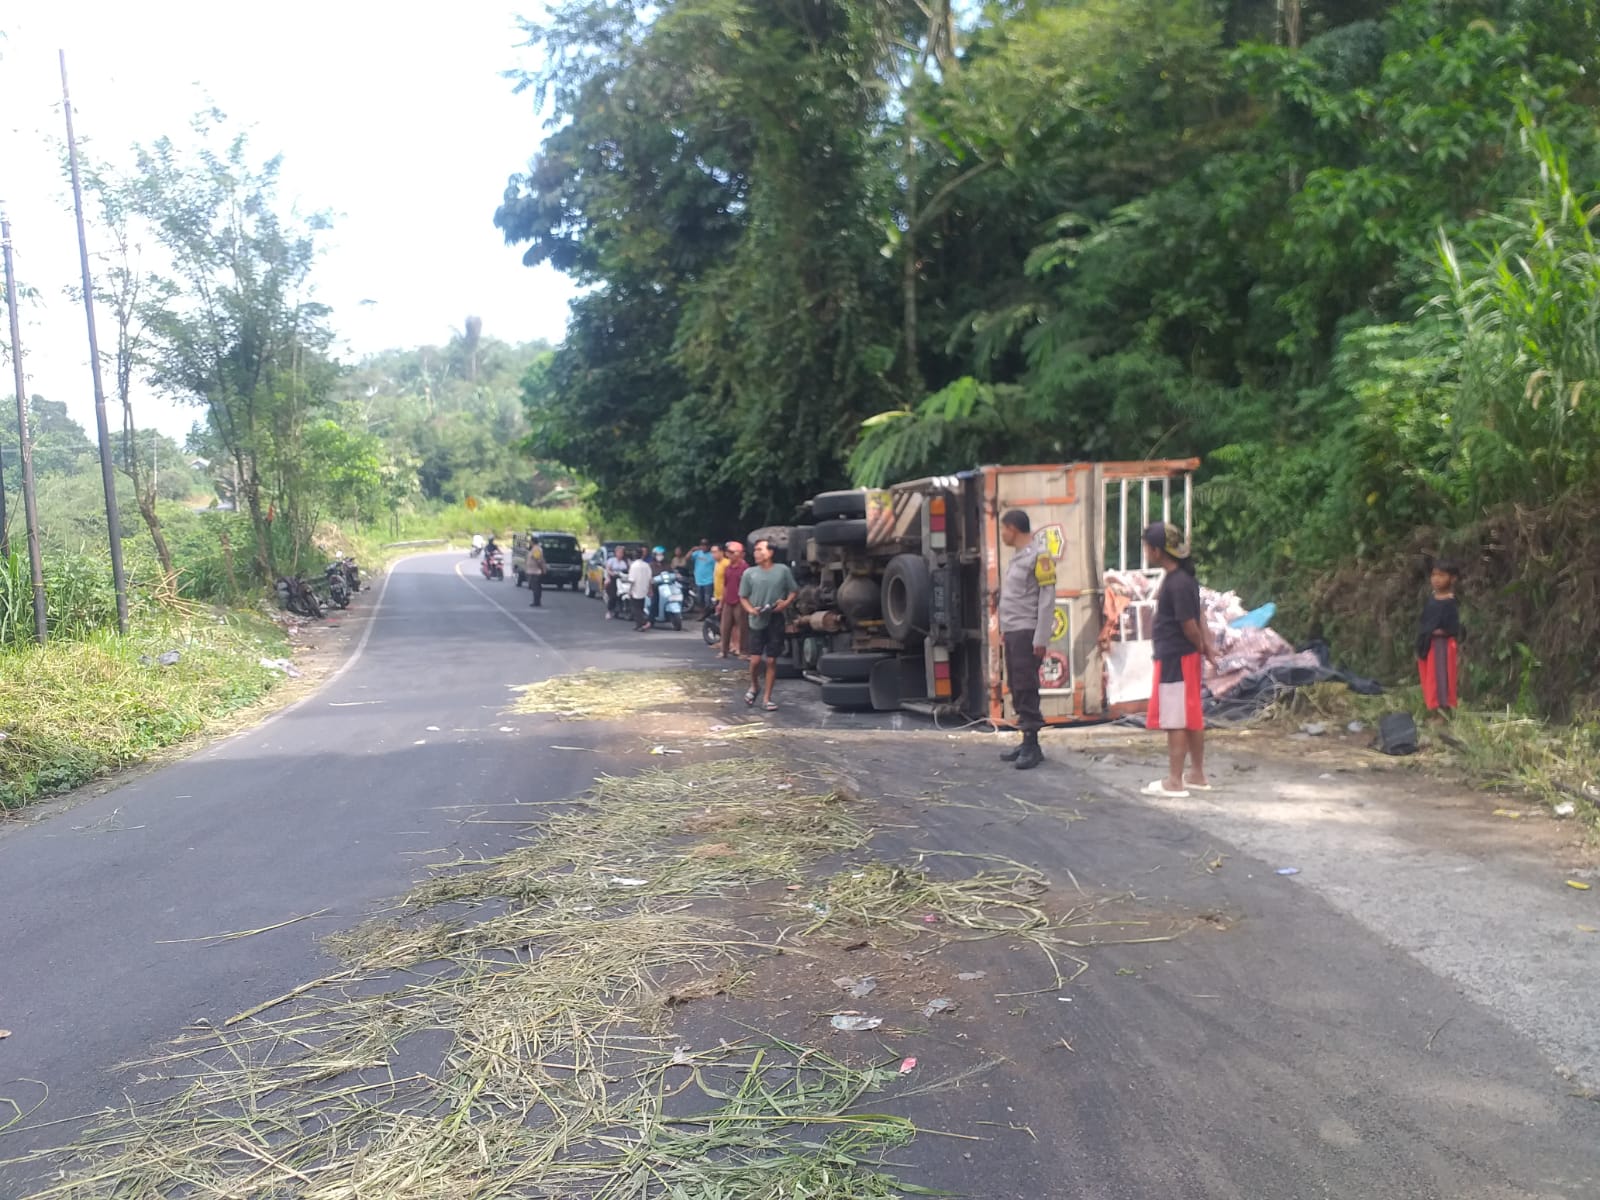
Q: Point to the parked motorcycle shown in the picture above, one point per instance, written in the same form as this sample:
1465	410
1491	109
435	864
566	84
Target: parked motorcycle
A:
352	573
492	566
295	595
338	585
711	624
666	602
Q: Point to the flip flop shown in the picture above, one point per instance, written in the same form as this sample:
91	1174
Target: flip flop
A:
1199	787
771	707
750	697
1157	788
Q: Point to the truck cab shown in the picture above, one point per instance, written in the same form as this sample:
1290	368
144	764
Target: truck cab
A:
899	588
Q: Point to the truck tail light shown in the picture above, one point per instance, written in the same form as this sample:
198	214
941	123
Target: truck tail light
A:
936	518
941	671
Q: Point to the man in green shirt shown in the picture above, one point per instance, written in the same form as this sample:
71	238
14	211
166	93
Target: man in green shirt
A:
765	591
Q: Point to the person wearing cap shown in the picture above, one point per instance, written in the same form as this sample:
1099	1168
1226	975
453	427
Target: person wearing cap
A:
1181	641
1027	611
733	614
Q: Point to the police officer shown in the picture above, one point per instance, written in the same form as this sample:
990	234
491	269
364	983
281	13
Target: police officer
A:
534	569
1027	610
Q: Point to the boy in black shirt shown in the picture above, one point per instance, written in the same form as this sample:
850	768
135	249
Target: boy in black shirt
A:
1180	641
1438	636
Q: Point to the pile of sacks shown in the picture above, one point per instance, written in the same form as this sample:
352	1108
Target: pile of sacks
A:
1246	645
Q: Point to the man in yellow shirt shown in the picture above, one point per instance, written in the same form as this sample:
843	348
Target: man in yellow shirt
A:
719	574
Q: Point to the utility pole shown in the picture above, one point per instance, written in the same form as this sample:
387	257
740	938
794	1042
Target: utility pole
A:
5	528
30	509
108	478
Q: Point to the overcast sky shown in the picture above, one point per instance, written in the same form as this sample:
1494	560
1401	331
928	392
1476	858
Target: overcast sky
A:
394	117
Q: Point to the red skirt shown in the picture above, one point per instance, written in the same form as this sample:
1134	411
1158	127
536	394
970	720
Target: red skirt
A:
1438	673
1175	695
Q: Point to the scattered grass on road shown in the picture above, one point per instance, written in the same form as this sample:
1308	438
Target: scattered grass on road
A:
617	695
72	710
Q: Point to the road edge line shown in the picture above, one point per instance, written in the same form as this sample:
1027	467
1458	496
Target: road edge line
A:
338	672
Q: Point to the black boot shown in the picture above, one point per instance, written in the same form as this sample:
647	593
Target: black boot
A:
1015	752
1029	755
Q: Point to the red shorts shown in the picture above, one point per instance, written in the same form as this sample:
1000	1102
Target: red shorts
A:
1175	695
1438	673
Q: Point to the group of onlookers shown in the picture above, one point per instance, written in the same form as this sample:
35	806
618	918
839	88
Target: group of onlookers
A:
747	600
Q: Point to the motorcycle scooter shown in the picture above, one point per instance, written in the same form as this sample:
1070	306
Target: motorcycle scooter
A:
667	599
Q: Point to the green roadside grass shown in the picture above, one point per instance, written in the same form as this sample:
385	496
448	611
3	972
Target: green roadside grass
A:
1549	762
71	711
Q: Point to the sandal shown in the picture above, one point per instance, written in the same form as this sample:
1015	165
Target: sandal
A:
1198	787
750	697
770	706
1157	787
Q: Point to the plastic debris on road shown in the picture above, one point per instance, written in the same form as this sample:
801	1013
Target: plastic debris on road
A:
624	881
969	976
1357	727
1512	813
282	665
854	1022
1314	729
935	1007
908	1066
1564	809
681	1057
663	750
857	988
1288	870
1573	883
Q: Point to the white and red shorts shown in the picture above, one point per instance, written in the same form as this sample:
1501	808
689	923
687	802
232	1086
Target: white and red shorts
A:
1175	698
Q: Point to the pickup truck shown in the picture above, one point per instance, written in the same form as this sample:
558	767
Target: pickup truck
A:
563	560
899	588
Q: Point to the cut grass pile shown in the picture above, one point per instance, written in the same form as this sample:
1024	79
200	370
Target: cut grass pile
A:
71	710
1550	762
990	904
616	695
559	1075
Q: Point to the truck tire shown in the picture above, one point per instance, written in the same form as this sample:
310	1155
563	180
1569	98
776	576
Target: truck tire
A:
848	667
907	597
828	505
851	531
853	697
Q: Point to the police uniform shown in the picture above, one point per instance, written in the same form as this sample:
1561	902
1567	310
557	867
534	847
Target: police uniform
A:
1027	612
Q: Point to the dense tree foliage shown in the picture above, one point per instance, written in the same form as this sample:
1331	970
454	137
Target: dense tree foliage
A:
1342	250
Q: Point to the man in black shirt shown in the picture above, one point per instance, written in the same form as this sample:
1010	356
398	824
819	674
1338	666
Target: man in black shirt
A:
1180	641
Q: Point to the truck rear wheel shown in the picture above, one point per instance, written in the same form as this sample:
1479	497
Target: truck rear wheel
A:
854	697
828	505
847	666
842	532
907	597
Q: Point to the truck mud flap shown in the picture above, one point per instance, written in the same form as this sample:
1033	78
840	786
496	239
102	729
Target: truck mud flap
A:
894	680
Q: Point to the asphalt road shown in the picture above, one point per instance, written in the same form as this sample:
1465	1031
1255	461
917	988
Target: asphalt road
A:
1290	1051
336	804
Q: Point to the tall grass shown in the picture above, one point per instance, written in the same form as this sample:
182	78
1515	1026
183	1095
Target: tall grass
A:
491	516
1525	312
78	593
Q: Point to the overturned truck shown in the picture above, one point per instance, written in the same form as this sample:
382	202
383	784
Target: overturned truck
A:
899	586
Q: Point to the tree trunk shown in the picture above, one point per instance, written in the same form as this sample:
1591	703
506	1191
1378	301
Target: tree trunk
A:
147	510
